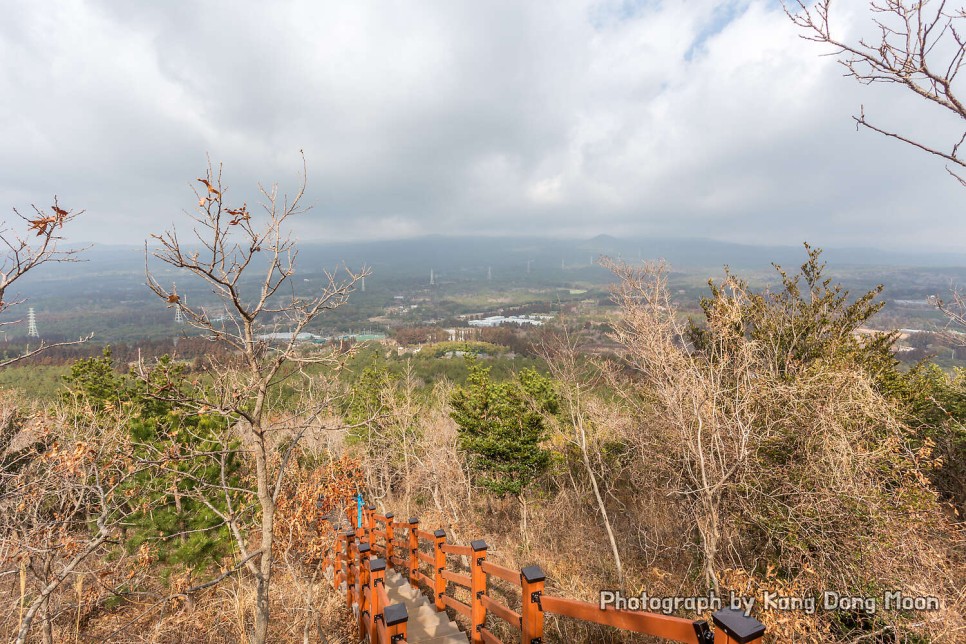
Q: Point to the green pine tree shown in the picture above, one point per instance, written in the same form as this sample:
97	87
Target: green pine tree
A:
502	426
166	512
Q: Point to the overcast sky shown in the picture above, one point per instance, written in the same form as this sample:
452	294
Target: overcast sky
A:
572	118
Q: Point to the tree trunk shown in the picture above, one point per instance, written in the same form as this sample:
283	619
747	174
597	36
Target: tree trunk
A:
523	522
267	503
603	512
46	626
48	629
37	603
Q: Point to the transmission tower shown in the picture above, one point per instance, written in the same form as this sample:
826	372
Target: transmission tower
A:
178	315
32	331
432	277
489	273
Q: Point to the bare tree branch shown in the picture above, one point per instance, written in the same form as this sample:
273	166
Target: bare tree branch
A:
25	252
919	47
261	324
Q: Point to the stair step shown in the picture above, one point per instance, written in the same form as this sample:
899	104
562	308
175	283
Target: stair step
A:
445	639
426	625
418	632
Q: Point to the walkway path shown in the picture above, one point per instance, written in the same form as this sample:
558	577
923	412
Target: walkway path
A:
425	624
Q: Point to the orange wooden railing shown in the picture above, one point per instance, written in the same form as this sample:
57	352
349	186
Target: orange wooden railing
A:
361	553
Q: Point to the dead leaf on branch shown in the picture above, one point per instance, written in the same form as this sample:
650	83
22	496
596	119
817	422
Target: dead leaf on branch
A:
211	189
41	224
239	214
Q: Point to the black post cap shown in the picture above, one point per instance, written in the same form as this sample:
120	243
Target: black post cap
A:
440	533
703	633
370	507
364	547
375	565
395	614
737	625
389	515
478	545
350	533
414	519
532	574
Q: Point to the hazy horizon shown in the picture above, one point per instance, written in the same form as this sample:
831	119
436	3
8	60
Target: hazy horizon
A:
900	250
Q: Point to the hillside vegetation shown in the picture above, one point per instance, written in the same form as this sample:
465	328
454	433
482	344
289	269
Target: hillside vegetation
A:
763	448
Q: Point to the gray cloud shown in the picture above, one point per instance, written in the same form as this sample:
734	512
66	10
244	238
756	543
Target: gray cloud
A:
575	118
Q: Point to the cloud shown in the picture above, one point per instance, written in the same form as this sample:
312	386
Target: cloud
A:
573	118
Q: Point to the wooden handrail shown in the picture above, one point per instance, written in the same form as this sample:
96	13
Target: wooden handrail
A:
457	605
418	576
456	578
452	549
350	558
676	629
425	536
508	615
383	595
507	575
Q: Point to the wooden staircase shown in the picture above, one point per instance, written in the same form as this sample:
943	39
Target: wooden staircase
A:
390	607
425	624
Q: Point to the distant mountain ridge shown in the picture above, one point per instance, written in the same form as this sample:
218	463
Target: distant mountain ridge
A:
445	254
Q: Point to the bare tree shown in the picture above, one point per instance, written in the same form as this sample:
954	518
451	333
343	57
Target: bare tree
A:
919	46
25	251
706	410
560	349
65	483
247	261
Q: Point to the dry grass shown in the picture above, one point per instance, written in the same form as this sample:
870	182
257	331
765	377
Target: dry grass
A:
301	612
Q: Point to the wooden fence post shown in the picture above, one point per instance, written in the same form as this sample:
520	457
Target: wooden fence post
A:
365	608
377	576
477	590
337	565
390	535
350	561
396	618
370	519
532	581
439	584
736	628
413	551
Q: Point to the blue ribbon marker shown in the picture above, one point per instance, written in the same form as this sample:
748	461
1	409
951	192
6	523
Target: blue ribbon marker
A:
359	507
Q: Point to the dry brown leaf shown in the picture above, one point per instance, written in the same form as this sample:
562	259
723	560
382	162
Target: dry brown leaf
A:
211	189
